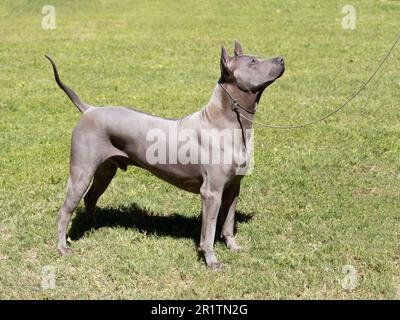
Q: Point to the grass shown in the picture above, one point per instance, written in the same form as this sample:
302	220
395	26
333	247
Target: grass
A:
319	198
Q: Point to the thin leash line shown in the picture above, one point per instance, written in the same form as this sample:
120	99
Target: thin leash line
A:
235	103
355	94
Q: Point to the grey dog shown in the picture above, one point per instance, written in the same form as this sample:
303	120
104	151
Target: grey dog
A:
109	138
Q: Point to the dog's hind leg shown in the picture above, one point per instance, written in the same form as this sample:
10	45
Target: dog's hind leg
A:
78	182
102	178
228	208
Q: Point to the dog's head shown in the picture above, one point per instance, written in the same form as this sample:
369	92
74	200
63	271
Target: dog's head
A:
250	73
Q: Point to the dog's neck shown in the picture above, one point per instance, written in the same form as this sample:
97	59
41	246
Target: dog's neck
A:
220	105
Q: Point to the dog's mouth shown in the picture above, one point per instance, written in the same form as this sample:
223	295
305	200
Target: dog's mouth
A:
281	71
263	86
274	77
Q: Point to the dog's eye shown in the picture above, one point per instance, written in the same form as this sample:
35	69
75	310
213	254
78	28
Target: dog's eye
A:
253	61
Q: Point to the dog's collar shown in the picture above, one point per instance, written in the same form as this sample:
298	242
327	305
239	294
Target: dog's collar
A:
236	108
235	104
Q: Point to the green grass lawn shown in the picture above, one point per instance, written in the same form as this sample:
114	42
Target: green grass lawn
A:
318	199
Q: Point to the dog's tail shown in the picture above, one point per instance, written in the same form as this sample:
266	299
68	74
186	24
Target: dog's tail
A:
82	106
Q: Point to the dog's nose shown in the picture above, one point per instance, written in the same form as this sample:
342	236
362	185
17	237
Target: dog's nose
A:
279	60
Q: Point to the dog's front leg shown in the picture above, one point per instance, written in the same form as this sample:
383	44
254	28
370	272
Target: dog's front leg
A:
211	202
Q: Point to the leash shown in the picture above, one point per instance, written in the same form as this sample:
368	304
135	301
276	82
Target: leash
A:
236	105
236	108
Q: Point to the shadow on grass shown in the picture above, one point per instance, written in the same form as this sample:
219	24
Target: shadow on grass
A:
132	216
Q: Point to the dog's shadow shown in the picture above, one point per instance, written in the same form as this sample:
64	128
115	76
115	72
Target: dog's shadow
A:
132	216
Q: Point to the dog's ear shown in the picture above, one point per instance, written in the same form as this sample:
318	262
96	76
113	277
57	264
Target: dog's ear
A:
238	49
224	64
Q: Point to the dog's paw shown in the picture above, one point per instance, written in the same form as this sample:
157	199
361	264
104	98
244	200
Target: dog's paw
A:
232	245
235	248
217	265
65	250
